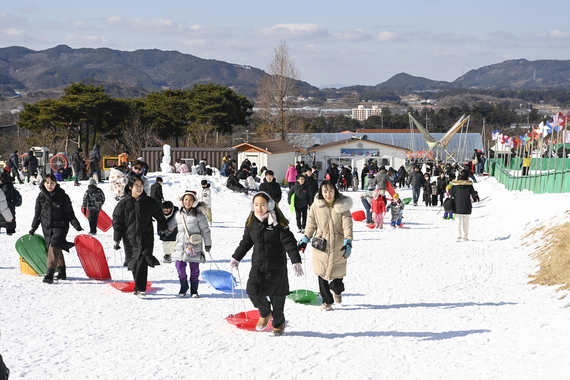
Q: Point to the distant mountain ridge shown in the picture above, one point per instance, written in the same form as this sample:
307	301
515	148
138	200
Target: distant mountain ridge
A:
136	73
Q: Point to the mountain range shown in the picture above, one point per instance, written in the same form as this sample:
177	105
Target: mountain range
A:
139	72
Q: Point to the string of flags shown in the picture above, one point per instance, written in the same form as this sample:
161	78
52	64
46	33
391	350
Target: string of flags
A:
560	121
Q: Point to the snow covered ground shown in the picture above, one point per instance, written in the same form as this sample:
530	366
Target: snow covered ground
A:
418	305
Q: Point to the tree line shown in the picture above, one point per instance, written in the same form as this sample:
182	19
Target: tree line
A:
86	115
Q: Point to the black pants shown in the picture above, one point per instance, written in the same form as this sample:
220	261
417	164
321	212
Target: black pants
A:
525	170
434	199
402	182
301	214
336	285
140	274
93	218
427	199
94	168
264	306
16	174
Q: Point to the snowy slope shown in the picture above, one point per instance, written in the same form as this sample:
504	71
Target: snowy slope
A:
418	305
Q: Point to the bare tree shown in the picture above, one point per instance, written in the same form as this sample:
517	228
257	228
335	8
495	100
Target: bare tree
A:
277	91
137	134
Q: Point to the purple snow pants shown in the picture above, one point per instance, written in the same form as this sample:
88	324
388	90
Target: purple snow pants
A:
194	270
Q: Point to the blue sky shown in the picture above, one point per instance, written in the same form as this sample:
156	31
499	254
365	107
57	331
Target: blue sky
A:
332	42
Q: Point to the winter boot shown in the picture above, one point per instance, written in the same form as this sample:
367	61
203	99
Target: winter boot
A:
263	322
61	275
279	330
183	287
48	279
194	289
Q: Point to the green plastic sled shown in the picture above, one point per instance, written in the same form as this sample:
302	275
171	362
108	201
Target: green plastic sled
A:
32	249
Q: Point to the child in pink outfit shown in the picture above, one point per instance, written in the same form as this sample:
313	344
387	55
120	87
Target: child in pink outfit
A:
378	208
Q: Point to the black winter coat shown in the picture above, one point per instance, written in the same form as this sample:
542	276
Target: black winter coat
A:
461	192
54	211
272	188
333	173
93	199
76	162
442	184
416	178
94	155
132	220
233	184
313	184
7	187
156	192
302	195
268	275
427	187
402	173
31	162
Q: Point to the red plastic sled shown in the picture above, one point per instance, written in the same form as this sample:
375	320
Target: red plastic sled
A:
358	216
92	257
371	226
129	287
389	189
247	320
104	222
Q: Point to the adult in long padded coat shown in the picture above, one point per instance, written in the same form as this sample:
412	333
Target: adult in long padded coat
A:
7	187
461	192
4	209
192	240
54	212
330	219
267	231
132	223
31	165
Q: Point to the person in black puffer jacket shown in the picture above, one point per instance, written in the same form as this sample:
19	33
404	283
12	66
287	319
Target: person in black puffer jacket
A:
402	174
233	184
93	201
271	187
7	186
169	239
267	231
54	212
461	192
313	184
442	183
31	164
77	164
94	159
427	190
132	223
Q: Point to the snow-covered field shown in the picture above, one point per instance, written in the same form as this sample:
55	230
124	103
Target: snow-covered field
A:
418	305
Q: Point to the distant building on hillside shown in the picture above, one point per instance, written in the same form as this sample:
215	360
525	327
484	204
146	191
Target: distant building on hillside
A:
362	113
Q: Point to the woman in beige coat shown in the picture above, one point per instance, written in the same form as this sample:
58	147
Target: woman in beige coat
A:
330	219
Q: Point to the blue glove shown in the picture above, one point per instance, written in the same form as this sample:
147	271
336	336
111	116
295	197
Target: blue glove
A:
303	243
347	248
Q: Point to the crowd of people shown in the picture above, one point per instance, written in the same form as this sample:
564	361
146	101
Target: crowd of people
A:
322	212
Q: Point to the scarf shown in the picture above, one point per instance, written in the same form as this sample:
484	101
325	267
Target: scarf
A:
270	216
331	203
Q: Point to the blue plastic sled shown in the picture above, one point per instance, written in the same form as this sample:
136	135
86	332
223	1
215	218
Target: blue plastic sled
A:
220	280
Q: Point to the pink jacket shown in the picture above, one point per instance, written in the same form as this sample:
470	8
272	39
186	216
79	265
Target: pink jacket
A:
291	175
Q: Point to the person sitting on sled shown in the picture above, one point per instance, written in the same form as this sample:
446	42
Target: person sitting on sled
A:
267	231
397	207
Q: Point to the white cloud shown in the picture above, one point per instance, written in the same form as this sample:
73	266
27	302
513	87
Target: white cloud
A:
352	35
166	26
95	41
12	32
386	36
293	31
554	34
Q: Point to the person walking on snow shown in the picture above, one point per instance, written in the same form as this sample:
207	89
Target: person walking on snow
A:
267	231
396	206
461	192
301	200
331	223
205	195
192	240
94	159
132	223
54	212
93	201
378	208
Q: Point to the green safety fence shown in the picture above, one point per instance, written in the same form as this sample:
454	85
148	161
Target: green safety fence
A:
551	179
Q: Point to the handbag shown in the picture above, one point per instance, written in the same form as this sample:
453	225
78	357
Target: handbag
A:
320	244
191	240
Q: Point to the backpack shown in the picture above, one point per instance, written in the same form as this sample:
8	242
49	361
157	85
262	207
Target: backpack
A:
17	201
